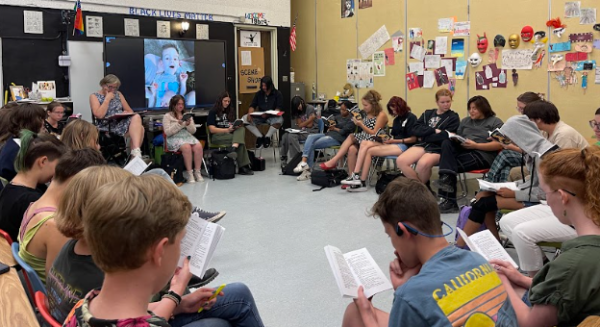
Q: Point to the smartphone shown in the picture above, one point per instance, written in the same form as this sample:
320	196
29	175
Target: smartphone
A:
3	268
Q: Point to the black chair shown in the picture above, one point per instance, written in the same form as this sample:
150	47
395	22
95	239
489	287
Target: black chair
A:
112	146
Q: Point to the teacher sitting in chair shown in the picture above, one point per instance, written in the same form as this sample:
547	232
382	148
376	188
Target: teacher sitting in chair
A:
109	102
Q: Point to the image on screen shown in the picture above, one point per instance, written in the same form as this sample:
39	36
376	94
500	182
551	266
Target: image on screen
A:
169	67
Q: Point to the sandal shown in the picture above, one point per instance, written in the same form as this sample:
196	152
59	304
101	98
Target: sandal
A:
325	167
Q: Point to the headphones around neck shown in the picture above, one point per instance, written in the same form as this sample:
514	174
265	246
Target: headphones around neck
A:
413	231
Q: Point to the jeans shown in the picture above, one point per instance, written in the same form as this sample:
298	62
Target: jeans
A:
316	141
237	308
455	159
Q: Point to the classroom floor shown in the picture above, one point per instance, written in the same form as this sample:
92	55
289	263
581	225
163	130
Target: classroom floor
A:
276	228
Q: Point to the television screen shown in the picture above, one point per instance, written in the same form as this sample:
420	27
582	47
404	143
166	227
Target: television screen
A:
152	71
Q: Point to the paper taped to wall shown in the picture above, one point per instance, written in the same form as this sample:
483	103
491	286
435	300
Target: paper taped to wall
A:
374	42
517	59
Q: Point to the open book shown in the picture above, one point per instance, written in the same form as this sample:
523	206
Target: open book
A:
500	137
200	241
268	112
329	121
136	166
382	135
237	123
295	131
487	245
354	269
494	187
454	136
357	113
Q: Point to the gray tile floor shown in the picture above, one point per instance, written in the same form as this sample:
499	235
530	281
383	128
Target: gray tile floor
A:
276	228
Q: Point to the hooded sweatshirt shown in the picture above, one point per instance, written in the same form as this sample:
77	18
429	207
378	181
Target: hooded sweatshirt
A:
525	134
430	121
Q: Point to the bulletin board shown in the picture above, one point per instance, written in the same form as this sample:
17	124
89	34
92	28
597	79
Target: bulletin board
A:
251	63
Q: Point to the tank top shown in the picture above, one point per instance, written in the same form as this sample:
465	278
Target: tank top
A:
25	236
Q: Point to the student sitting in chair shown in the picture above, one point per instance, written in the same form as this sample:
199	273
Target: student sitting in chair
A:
303	119
338	131
180	137
220	123
566	290
268	98
401	139
40	241
435	284
54	124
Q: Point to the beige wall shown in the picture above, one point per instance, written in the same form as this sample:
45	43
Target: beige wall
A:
337	40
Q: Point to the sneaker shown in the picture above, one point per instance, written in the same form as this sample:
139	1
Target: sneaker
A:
259	142
189	177
283	161
444	183
266	142
353	179
212	217
198	176
245	171
209	276
448	206
136	153
361	187
302	166
304	176
231	154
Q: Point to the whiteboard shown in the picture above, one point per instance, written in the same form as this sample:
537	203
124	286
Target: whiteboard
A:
86	71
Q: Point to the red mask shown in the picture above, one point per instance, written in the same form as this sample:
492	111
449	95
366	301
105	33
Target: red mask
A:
482	43
527	33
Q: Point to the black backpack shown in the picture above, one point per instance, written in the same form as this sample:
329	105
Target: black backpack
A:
221	166
172	163
385	178
289	168
328	178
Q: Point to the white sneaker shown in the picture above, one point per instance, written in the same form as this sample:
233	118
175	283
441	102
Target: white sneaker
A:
353	179
302	166
198	176
189	177
304	176
136	152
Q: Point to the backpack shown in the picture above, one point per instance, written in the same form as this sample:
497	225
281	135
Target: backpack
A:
385	178
172	164
328	178
288	169
221	166
257	163
463	216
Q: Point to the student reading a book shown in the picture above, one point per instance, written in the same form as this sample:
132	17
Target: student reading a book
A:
512	155
476	152
545	115
39	238
303	119
145	262
220	121
53	123
435	284
26	116
108	101
338	130
525	134
566	290
368	126
267	98
431	130
401	139
180	137
35	163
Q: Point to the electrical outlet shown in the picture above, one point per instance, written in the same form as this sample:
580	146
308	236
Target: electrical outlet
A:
284	78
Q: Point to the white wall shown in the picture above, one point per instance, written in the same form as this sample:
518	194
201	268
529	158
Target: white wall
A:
277	11
87	69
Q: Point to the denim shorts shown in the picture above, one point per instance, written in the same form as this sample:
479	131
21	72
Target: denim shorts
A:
402	146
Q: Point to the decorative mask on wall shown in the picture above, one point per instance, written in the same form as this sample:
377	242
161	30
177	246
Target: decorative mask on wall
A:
597	27
540	37
482	43
527	33
499	41
513	41
475	59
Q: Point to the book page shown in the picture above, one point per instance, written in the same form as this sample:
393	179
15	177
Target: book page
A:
493	187
202	252
468	241
341	272
193	231
489	247
367	272
136	166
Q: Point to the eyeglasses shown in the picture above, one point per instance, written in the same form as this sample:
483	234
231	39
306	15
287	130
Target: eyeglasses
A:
594	124
542	195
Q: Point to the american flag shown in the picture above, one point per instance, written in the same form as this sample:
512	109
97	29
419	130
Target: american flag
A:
293	36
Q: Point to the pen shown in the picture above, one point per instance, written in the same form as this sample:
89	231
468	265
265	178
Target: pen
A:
215	294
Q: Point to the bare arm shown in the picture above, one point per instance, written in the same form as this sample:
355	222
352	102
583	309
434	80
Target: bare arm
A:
489	146
538	316
382	121
215	130
126	107
308	122
99	110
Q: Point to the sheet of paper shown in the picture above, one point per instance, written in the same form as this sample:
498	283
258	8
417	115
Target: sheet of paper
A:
163	29
136	166
446	25
132	26
489	247
33	22
441	76
559	47
246	58
461	69
418	52
374	42
572	9
416	67
193	231
367	272
398	41
379	63
517	59
588	16
441	45
597	80
202	32
390	60
342	272
93	26
432	61
597	44
449	65
415	33
428	79
492	187
457	48
462	28
412	81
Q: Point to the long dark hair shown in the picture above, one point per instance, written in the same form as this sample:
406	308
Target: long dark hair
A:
173	103
402	107
268	81
297	101
221	110
482	104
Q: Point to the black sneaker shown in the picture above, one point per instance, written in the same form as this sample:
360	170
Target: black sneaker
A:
283	161
447	206
259	142
209	276
445	183
231	154
245	171
266	142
